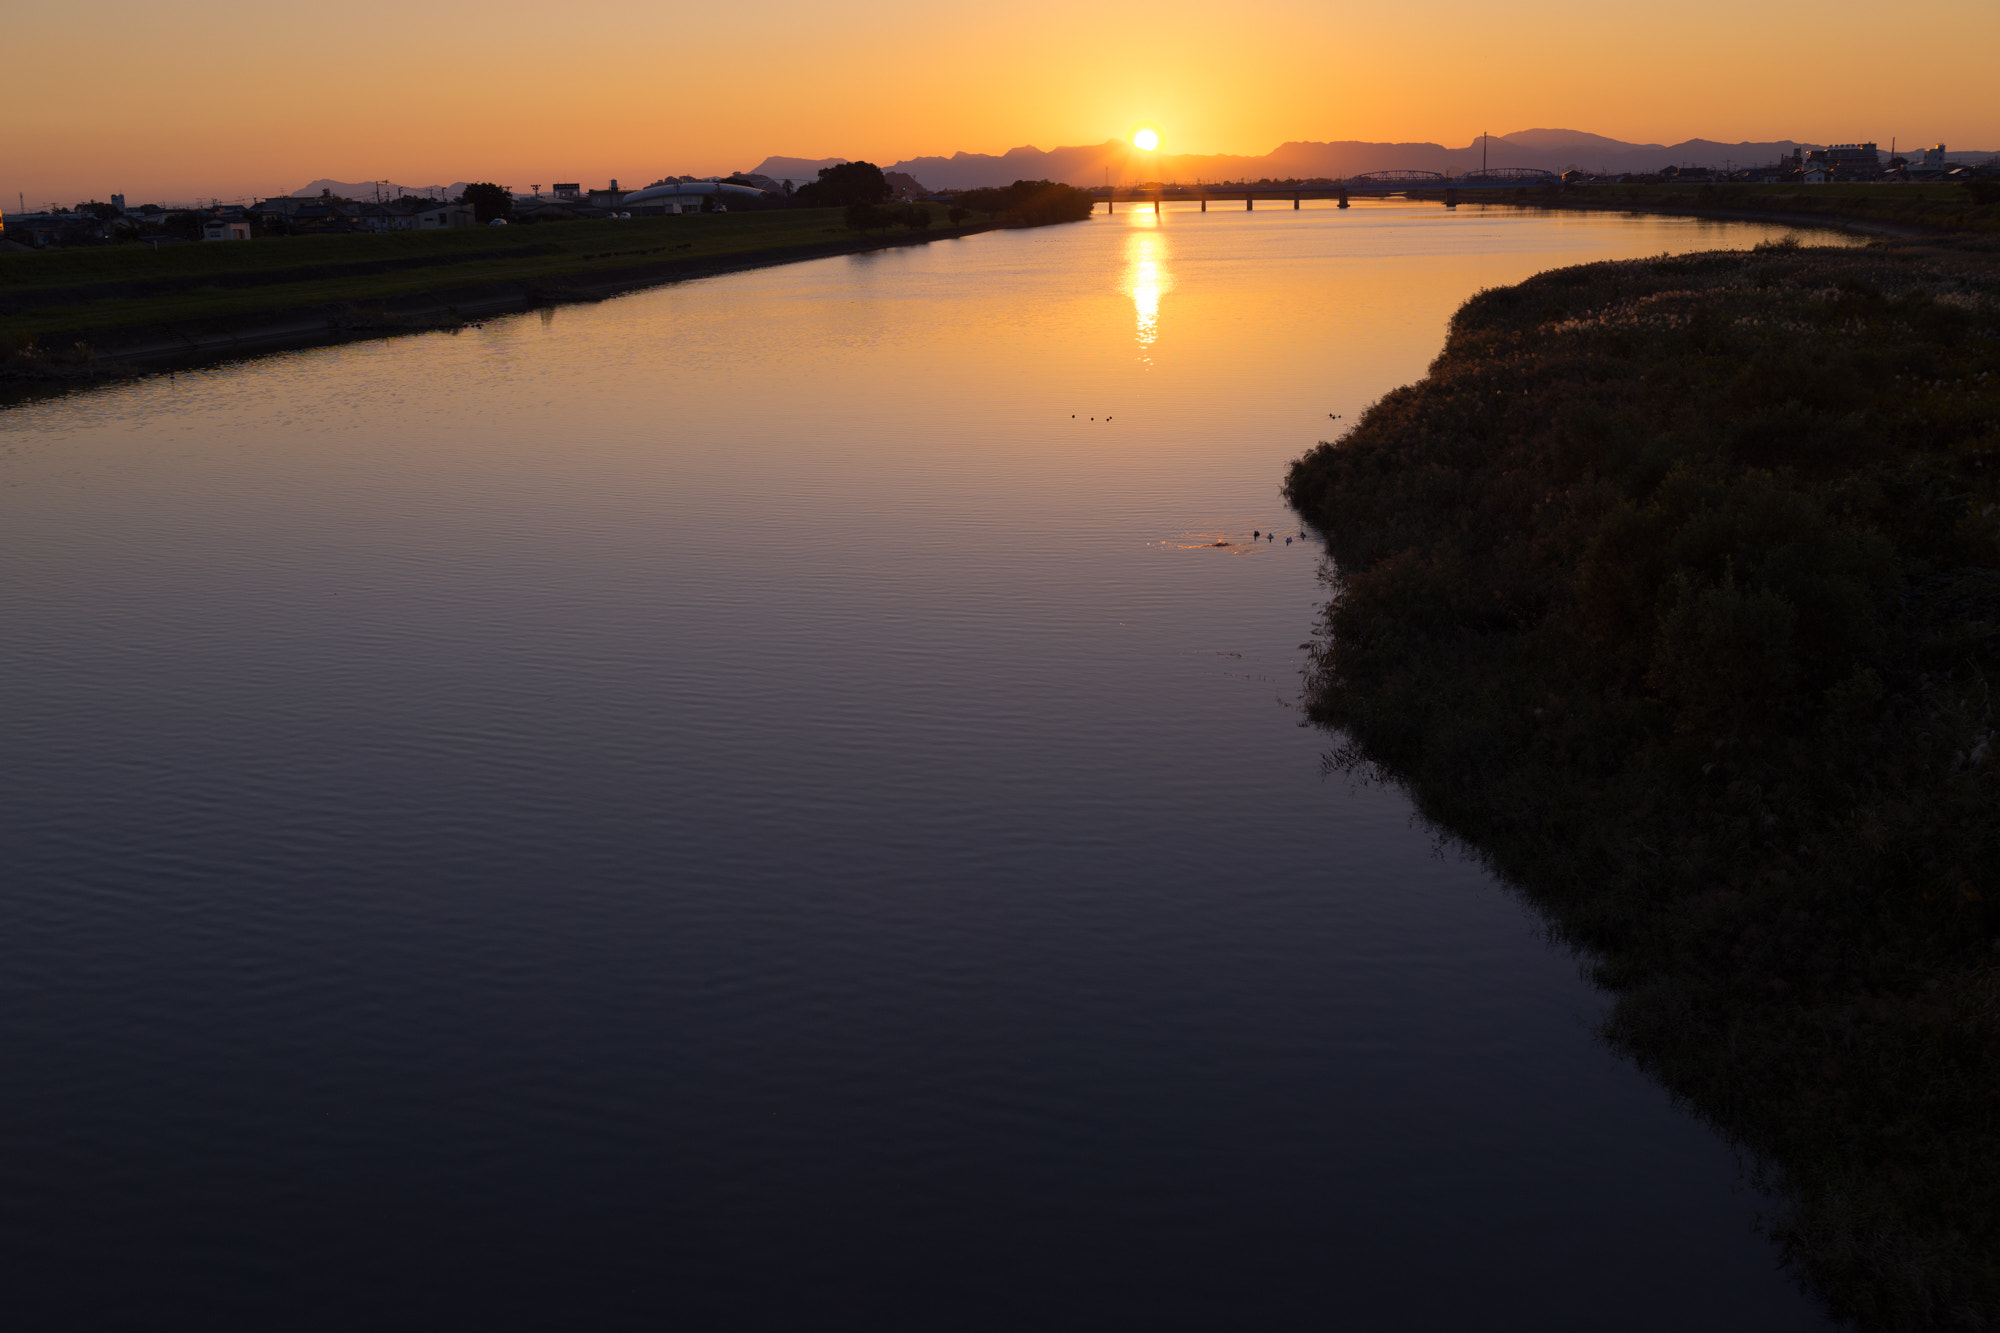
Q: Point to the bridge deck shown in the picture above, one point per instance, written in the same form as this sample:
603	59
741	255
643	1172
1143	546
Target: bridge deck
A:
1195	193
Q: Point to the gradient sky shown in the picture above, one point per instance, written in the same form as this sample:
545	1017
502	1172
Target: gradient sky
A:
182	101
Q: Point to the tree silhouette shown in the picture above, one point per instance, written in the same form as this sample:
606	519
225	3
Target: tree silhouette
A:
847	184
488	201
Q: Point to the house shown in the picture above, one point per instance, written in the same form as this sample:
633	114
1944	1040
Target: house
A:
445	215
387	217
1817	175
301	213
37	229
316	216
226	229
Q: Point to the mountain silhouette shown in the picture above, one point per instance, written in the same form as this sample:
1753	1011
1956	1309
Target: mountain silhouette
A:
1116	162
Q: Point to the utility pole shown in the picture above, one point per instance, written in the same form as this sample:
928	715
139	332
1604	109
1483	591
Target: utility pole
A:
1484	139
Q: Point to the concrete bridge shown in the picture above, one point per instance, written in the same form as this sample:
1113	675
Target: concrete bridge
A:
1374	184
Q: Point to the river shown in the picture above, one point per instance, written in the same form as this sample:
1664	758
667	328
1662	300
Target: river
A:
768	802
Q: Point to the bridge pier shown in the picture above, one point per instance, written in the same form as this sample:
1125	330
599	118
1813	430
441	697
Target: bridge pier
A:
1343	198
1204	203
1248	203
1156	208
1110	206
1451	198
1295	203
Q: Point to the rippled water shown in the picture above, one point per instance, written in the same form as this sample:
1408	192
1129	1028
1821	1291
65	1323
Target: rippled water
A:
759	803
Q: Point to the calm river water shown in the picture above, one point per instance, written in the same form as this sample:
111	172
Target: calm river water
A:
758	804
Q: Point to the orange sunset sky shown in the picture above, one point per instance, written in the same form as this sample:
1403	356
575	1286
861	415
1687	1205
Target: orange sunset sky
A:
176	102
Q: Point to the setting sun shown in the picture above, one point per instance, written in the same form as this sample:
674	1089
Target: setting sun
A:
1146	141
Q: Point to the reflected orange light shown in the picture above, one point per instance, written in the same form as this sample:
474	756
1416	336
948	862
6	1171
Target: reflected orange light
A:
1147	279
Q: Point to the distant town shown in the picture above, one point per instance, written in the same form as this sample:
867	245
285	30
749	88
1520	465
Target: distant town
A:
376	209
1842	163
327	213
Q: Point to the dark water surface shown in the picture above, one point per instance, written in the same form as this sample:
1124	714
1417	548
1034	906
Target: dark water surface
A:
733	807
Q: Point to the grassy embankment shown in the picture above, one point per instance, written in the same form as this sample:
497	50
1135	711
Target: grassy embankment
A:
1893	208
1674	588
116	297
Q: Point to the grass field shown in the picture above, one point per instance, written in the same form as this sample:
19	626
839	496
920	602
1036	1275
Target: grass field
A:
104	289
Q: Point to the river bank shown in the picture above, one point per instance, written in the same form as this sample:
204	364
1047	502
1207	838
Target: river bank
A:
1904	212
81	315
1674	589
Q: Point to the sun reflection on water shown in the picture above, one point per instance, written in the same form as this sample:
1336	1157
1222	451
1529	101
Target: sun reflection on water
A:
1147	278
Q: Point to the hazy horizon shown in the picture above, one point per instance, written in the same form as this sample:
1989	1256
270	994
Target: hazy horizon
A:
1295	156
149	102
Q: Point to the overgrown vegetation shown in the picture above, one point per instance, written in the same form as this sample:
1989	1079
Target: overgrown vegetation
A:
1675	589
1031	203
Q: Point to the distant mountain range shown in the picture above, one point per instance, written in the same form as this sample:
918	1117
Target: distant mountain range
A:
1115	161
1118	162
365	191
799	170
